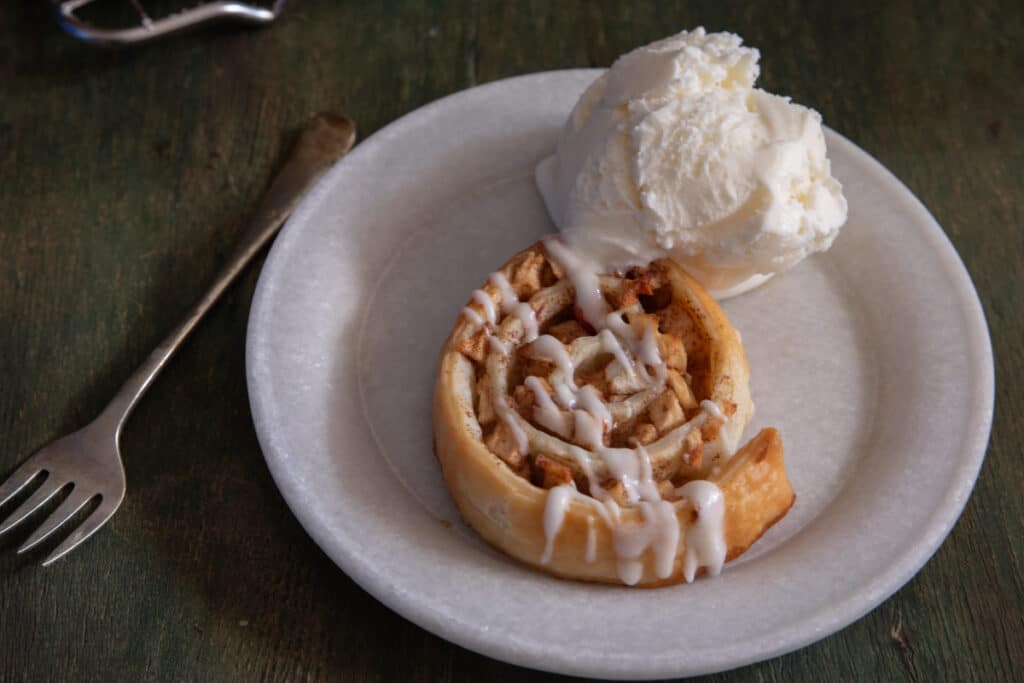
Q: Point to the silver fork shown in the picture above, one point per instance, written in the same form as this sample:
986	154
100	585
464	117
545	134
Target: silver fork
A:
89	460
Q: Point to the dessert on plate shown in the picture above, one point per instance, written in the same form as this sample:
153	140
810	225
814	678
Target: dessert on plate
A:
592	397
595	436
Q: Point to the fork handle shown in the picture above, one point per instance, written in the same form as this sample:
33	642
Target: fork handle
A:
325	140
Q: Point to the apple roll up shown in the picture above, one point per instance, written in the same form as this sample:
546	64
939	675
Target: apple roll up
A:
588	424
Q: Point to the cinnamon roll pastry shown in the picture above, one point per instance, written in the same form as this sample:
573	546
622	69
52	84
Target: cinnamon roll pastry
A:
587	423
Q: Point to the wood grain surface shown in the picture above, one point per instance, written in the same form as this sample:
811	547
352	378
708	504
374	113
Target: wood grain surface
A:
125	177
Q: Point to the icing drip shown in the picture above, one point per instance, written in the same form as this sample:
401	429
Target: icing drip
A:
528	318
554	517
610	344
564	395
614	322
648	353
728	442
591	541
546	413
590	401
553	350
587	429
511	306
473	316
705	539
712	409
624	464
593	418
585	280
659	531
480	296
511	419
508	295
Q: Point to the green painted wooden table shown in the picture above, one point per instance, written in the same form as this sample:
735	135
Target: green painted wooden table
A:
125	176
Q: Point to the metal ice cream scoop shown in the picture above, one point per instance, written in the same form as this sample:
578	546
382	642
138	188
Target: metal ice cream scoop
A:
149	27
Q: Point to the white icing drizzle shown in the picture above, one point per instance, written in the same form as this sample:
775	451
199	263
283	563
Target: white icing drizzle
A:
553	350
510	305
480	296
508	295
546	413
648	352
591	541
630	570
712	409
587	429
633	468
646	486
614	322
557	504
640	347
659	532
591	419
518	433
528	318
581	411
727	442
590	401
610	344
585	281
666	538
565	395
554	517
473	316
705	539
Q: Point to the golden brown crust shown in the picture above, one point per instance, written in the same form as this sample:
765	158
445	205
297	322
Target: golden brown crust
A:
503	494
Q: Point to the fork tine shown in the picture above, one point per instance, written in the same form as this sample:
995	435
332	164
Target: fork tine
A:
42	494
71	505
91	525
18	479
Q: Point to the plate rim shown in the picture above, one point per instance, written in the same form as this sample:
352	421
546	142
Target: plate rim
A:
468	635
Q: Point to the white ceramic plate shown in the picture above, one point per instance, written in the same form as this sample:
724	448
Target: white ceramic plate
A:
873	360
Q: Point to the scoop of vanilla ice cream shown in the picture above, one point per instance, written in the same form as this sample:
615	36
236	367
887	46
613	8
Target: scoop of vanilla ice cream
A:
673	152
